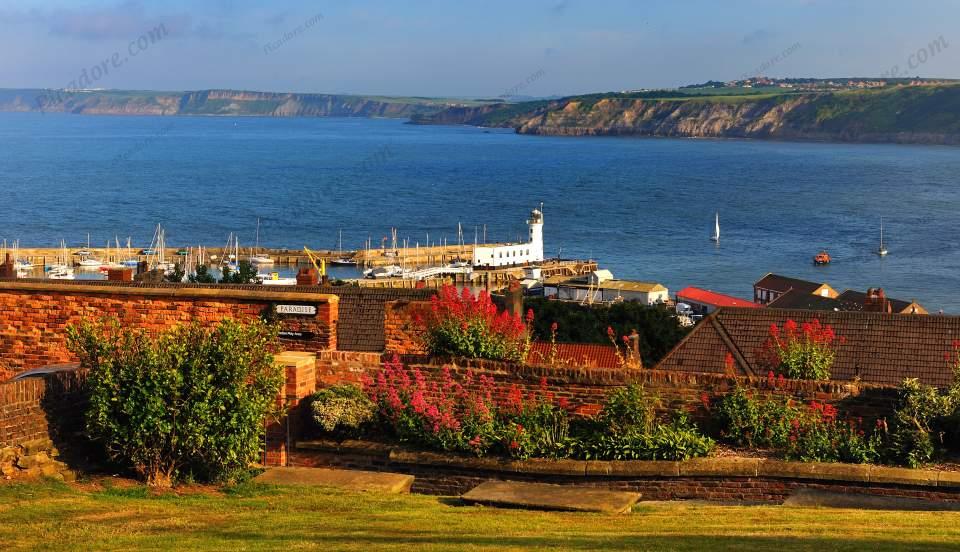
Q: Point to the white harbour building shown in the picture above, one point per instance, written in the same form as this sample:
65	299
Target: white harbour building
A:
513	254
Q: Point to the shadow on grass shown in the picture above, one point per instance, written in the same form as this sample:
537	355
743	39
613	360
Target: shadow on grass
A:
694	541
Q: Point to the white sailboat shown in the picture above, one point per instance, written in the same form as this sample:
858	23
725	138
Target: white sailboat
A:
882	251
259	258
87	260
716	229
342	260
61	270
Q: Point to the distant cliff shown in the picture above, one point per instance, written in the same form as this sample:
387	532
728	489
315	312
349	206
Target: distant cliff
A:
917	114
220	102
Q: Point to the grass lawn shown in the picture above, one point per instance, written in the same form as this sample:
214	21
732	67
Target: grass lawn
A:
43	516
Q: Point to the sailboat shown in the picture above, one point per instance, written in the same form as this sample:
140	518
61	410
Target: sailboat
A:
61	270
341	259
87	260
716	229
882	251
259	258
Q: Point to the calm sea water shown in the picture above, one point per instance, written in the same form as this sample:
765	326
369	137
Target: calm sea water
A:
643	207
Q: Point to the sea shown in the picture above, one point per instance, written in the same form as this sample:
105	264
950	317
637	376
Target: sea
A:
644	208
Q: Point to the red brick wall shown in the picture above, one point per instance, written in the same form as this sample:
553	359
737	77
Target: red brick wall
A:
402	326
34	315
586	388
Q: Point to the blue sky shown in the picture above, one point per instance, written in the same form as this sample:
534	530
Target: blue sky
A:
477	49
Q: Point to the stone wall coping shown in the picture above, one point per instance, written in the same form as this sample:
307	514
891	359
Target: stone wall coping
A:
695	467
174	292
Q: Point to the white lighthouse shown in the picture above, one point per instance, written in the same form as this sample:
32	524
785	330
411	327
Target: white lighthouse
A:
536	235
513	254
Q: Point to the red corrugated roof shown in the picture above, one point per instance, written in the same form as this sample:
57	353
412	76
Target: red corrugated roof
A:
589	355
708	297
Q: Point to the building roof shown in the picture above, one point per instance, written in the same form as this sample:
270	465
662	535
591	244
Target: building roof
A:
803	300
590	355
859	298
782	284
707	297
879	348
617	285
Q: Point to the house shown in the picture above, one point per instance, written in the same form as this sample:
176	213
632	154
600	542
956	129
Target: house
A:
876	348
513	254
876	300
851	301
772	286
704	301
600	287
587	355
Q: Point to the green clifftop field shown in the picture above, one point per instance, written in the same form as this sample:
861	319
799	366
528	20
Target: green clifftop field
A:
220	102
908	114
918	114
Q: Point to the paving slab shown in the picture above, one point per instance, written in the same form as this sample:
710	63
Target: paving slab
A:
352	480
827	499
542	496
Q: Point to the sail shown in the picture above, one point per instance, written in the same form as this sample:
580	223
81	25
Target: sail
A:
716	229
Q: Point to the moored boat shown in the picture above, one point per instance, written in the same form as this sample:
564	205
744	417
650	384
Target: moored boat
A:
821	258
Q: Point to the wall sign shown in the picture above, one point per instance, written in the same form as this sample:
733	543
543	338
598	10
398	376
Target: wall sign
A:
310	310
300	336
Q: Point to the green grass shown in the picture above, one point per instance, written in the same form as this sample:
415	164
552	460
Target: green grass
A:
51	516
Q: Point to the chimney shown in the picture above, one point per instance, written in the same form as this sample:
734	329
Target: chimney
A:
7	270
876	301
308	277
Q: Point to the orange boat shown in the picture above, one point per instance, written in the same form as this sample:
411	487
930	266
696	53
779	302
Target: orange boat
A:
821	258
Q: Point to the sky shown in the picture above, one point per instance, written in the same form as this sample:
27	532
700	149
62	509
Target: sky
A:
467	49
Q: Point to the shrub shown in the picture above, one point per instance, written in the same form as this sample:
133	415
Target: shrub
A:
809	432
188	402
921	421
460	324
678	439
342	409
804	352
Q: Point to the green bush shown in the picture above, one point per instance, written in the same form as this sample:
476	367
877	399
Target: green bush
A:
922	422
342	410
810	433
678	439
189	402
658	328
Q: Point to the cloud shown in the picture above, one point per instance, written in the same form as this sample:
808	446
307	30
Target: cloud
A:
759	35
119	21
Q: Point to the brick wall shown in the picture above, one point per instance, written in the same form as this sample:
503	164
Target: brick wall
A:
38	419
402	327
586	388
34	315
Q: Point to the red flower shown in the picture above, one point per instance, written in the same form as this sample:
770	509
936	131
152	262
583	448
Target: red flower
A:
514	445
553	327
564	403
705	400
610	332
529	316
626	339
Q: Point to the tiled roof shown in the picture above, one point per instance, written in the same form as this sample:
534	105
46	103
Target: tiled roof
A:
803	300
713	298
590	355
776	282
879	348
859	297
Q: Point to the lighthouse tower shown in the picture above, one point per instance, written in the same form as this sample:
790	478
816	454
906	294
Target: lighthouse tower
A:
536	235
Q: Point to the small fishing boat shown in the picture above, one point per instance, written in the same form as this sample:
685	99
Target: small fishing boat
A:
274	279
882	251
390	271
716	229
821	258
87	260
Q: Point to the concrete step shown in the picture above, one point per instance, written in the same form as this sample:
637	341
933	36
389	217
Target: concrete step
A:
542	496
352	480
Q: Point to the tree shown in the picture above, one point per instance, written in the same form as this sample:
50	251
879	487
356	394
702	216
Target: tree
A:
659	329
245	274
177	275
202	275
